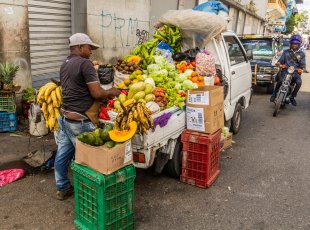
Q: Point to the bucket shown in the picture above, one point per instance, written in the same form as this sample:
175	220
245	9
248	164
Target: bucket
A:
37	129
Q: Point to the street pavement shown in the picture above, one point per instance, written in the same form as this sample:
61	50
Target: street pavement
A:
264	182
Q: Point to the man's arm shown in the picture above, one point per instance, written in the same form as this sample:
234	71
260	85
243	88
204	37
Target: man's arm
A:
98	93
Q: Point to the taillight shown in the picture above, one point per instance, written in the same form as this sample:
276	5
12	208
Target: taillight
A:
138	157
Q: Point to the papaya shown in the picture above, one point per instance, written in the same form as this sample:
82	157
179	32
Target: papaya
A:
124	135
139	95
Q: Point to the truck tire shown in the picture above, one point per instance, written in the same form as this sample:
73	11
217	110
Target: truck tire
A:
236	119
174	166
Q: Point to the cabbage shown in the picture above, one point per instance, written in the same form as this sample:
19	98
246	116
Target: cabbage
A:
188	72
149	81
159	76
182	77
152	68
188	85
178	86
160	60
168	66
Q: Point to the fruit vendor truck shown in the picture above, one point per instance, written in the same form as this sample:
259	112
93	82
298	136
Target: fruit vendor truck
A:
163	146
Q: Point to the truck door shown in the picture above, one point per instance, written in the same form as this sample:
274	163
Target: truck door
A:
240	70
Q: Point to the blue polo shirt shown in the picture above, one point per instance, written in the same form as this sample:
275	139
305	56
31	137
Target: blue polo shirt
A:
286	59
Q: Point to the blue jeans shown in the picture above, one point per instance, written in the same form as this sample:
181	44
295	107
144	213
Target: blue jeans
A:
66	148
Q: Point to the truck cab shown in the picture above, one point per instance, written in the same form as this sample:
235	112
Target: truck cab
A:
264	55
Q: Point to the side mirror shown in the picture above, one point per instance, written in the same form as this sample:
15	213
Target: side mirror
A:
249	54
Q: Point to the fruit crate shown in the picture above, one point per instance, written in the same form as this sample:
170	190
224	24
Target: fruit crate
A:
201	158
7	102
103	202
8	122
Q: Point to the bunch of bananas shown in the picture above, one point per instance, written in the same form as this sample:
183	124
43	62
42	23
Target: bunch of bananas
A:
50	99
138	112
170	35
146	52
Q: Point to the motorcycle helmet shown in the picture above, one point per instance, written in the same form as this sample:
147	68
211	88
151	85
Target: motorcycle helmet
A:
295	39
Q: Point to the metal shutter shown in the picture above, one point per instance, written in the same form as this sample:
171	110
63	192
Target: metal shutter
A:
49	30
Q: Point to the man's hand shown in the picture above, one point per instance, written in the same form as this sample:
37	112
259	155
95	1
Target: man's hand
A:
113	92
299	71
283	66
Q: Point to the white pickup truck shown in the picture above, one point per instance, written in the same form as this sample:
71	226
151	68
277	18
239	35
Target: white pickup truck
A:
163	147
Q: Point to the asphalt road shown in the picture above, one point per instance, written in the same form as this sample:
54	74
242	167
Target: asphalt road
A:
264	182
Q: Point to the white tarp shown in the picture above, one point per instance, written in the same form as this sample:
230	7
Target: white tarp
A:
197	27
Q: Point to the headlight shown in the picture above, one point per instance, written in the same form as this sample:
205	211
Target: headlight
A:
291	69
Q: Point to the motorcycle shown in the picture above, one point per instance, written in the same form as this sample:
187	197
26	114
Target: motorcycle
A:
285	90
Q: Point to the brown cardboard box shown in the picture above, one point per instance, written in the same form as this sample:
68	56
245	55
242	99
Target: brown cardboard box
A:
226	142
103	159
205	109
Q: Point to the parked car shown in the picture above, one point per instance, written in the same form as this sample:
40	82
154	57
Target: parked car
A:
265	53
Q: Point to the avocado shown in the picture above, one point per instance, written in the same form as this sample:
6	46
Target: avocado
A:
104	135
98	141
89	139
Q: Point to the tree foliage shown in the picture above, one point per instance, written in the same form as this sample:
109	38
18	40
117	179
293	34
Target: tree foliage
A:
295	20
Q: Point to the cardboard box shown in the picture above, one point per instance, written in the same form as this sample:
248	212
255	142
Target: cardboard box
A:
226	142
103	159
205	109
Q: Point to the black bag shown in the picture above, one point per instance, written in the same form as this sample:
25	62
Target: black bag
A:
106	74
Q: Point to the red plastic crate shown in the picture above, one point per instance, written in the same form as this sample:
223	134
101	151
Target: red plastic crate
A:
201	157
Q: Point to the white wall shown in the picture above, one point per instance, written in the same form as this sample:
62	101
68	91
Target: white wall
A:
117	26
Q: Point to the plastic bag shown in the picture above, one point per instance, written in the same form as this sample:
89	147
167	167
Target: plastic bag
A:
188	55
212	7
198	28
105	74
119	77
10	175
205	64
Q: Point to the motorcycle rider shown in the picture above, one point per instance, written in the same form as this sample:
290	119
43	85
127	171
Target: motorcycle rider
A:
291	57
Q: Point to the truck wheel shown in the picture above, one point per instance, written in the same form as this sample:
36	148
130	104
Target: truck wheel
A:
270	88
236	119
174	166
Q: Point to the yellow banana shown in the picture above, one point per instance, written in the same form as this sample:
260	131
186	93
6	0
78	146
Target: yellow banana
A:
49	100
48	90
50	109
56	112
44	110
58	95
54	99
129	119
129	102
124	123
51	122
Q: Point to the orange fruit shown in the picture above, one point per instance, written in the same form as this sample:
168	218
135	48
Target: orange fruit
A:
194	79
200	78
189	78
194	74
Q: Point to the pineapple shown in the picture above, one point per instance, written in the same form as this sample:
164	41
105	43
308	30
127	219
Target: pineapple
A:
7	73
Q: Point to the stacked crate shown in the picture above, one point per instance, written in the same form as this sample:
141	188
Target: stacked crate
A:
8	118
103	201
201	158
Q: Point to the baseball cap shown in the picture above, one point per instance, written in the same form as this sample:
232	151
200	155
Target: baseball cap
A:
82	39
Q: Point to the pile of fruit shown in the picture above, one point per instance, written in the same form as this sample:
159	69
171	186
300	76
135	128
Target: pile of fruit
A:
50	99
135	112
126	67
98	137
134	77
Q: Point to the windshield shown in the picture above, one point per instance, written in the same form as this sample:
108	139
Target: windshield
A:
262	49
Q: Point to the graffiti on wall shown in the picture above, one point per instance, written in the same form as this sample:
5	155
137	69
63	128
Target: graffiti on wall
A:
127	32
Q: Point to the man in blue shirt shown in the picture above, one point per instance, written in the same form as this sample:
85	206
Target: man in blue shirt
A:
291	57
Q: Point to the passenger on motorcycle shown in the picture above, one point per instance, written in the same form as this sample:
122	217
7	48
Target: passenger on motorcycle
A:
291	57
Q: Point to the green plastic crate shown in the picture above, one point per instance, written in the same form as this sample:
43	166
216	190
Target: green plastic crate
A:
103	202
7	102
